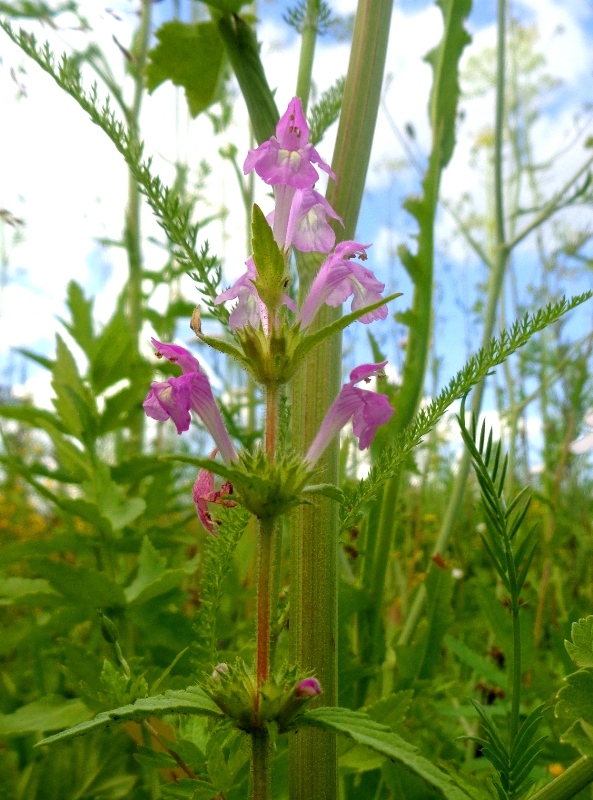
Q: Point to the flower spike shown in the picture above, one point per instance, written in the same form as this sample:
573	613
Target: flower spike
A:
173	398
366	409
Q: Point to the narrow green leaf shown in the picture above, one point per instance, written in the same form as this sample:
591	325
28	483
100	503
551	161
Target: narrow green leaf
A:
269	261
363	730
188	701
313	340
477	662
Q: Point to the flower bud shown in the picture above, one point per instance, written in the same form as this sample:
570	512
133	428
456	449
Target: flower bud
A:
220	669
309	687
108	629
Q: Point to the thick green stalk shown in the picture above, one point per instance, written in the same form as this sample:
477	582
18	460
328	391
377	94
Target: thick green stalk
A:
261	774
308	40
314	530
132	231
570	783
495	283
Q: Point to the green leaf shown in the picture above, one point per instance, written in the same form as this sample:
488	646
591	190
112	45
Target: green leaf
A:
191	56
188	701
153	578
312	340
110	499
444	60
16	590
80	585
81	326
269	261
575	707
226	6
73	401
477	662
36	417
365	731
165	674
114	356
581	647
327	490
48	714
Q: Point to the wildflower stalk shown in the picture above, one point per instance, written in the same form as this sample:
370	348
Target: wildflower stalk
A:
132	233
570	783
314	530
495	285
261	776
308	40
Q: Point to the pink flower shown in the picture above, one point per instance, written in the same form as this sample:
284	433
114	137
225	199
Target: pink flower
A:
204	492
288	158
585	443
302	222
309	687
367	410
338	279
250	309
173	398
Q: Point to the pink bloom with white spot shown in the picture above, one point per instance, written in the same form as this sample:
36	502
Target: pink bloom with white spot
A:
288	158
303	224
365	408
175	397
340	278
250	308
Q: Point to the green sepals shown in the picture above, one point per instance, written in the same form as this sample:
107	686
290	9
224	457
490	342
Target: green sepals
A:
234	690
272	276
263	488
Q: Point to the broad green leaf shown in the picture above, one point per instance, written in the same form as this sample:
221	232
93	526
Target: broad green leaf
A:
80	585
187	701
365	731
17	590
581	647
575	707
153	578
114	357
477	662
73	401
36	417
110	498
47	714
191	56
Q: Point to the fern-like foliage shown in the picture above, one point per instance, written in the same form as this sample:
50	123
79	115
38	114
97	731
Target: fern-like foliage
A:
476	369
326	111
297	15
503	522
171	212
513	766
217	561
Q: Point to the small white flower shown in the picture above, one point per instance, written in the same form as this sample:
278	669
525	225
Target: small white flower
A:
585	443
456	573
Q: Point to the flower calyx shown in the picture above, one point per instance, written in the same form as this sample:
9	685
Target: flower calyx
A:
280	699
266	489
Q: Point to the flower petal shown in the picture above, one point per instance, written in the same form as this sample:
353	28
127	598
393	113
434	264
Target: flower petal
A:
176	355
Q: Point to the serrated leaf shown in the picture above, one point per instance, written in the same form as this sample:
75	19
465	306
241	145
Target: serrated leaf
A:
188	701
153	578
365	731
191	56
48	714
575	705
80	585
81	325
581	647
71	394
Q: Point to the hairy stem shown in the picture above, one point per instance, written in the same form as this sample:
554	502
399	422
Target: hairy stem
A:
266	567
308	40
261	774
570	783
